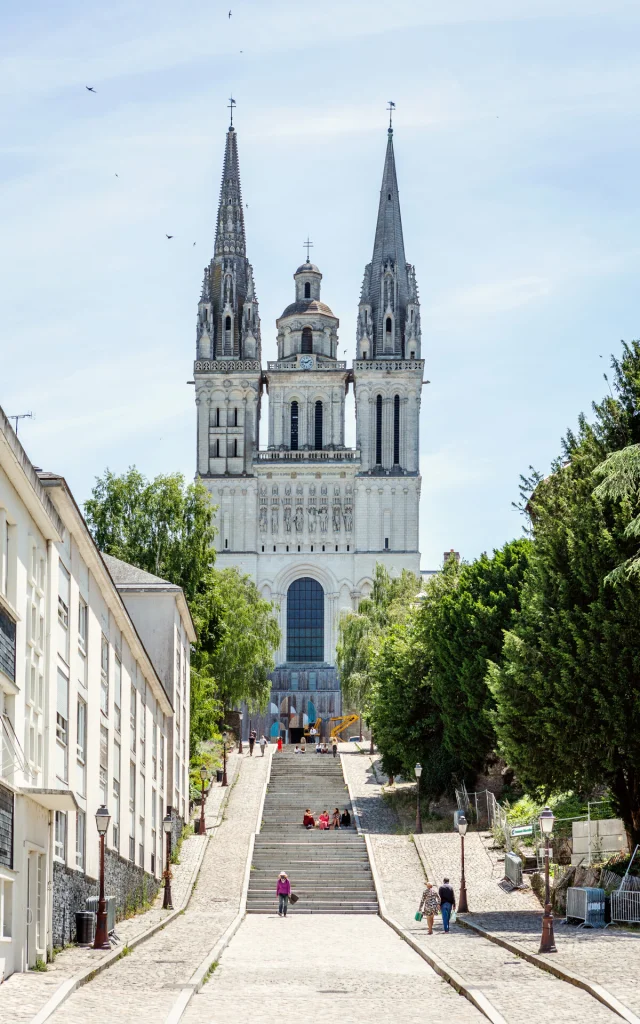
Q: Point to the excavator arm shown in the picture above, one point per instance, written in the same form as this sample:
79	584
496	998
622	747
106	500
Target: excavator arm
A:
342	722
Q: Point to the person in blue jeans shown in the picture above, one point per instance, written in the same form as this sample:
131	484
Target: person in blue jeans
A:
447	902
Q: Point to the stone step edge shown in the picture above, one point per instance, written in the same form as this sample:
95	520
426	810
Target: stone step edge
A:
68	987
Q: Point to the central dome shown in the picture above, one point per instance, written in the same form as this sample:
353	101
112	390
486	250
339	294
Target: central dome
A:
307	306
307	268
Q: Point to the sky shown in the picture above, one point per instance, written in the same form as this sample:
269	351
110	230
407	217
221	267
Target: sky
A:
517	148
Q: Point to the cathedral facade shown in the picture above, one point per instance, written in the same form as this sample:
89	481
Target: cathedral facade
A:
306	517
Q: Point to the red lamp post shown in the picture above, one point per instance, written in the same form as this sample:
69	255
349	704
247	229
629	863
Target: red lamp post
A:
463	906
101	940
547	940
167	903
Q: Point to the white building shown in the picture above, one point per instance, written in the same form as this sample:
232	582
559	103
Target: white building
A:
306	517
87	718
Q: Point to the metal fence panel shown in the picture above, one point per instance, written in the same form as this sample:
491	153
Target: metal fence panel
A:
513	868
92	904
586	904
625	906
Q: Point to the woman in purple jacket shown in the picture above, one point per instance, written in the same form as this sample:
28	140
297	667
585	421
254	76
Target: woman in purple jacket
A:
283	891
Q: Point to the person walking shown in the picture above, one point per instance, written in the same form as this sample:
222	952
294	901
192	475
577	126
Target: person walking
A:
447	902
334	745
279	743
429	905
263	744
283	892
252	740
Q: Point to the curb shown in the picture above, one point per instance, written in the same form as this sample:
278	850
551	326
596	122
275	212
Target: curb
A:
563	973
197	979
68	987
470	992
354	806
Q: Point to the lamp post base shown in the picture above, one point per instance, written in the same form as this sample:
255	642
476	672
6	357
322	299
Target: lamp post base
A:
101	940
547	942
463	906
167	903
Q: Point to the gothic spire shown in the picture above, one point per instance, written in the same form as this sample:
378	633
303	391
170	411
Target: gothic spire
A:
230	237
389	243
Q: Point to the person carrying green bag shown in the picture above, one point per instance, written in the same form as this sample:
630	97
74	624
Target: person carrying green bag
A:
429	906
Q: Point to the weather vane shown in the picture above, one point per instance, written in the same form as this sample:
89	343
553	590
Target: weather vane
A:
307	245
232	104
391	107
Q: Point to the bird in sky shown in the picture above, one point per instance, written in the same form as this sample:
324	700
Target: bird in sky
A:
194	243
169	236
117	175
229	13
89	88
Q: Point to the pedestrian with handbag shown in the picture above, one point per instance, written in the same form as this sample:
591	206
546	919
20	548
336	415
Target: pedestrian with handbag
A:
429	906
447	902
283	892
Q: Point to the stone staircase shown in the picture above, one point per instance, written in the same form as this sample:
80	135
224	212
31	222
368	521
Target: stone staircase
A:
329	870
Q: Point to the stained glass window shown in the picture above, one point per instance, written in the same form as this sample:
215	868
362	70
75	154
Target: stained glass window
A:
305	621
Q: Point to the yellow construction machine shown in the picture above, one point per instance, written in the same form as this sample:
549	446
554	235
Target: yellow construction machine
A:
342	722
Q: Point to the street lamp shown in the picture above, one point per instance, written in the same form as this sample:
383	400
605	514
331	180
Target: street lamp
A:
463	906
225	737
240	741
547	941
101	940
418	771
203	776
167	903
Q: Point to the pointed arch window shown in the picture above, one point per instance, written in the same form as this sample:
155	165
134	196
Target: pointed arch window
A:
307	290
318	426
227	323
379	430
294	426
388	325
396	430
307	339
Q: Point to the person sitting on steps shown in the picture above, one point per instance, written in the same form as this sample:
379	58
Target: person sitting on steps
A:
345	819
323	820
308	820
335	819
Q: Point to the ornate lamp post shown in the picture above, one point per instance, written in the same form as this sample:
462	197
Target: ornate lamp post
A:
240	740
463	906
418	771
547	941
101	940
167	903
225	737
203	777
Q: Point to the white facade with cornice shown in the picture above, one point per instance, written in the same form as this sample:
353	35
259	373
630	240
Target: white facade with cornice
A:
305	516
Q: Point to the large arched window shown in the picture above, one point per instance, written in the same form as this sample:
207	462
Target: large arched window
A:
307	290
379	430
294	426
396	430
307	340
305	621
318	426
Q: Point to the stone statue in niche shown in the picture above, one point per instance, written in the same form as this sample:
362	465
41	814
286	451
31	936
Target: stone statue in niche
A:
312	489
323	516
323	489
299	520
287	518
263	489
312	518
274	519
274	489
336	491
348	518
299	489
227	289
336	518
287	489
263	519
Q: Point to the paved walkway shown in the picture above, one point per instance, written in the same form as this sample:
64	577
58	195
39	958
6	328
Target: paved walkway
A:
512	985
342	968
24	994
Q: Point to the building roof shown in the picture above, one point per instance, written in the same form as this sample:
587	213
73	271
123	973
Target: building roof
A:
124	573
307	268
307	306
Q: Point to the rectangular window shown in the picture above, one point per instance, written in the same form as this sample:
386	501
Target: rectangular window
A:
4	553
104	763
104	676
60	836
82	626
117	695
116	795
177	773
143	732
132	717
6	827
7	646
305	621
154	751
154	831
313	681
81	828
396	430
162	762
132	811
62	728
6	908
64	586
379	430
81	775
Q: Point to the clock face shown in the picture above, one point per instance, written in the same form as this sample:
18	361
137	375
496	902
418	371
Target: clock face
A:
306	363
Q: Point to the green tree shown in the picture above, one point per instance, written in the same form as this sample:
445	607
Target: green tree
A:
463	629
167	528
568	690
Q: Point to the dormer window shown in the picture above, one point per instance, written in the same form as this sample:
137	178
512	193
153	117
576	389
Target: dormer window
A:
307	290
307	340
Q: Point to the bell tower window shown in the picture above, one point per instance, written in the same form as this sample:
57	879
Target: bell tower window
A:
396	430
307	339
307	290
388	325
294	426
318	426
379	430
227	323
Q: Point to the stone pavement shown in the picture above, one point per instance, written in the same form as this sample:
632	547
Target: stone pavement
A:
144	984
324	969
511	985
24	994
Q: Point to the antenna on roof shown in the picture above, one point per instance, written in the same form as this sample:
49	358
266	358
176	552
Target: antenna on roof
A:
20	416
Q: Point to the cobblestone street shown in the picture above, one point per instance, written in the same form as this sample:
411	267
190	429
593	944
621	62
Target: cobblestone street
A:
510	983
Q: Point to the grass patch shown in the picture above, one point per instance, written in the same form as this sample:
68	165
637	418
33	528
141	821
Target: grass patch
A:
403	802
40	965
210	971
